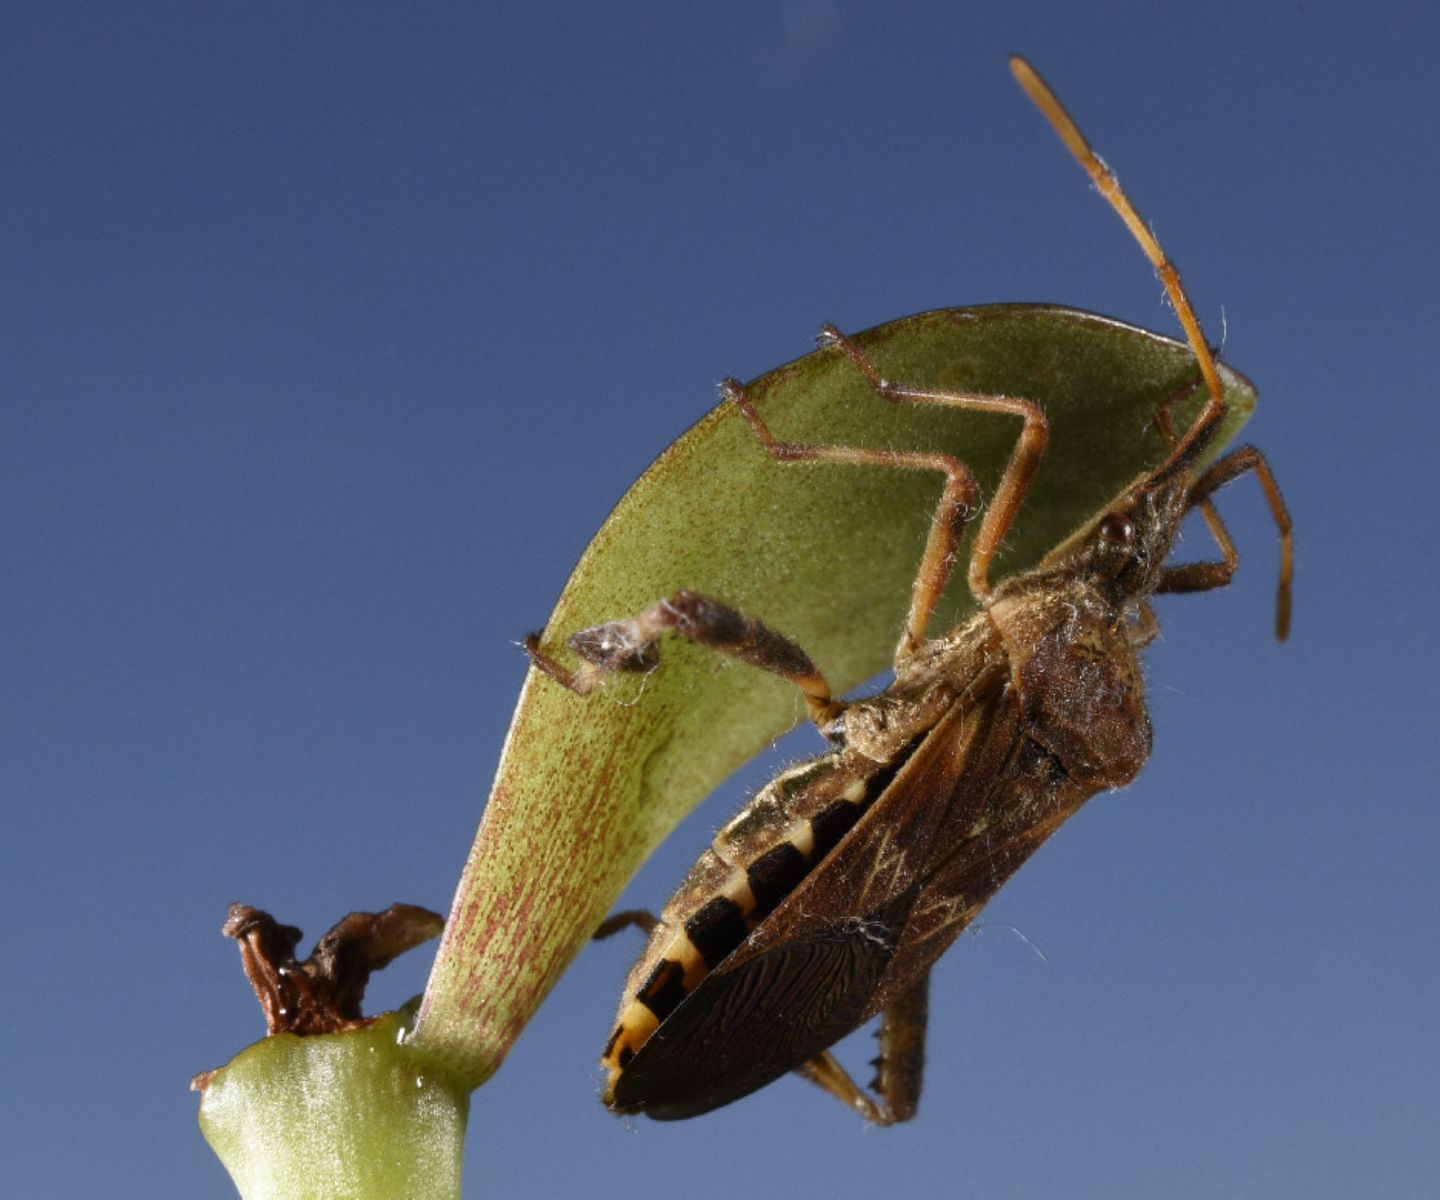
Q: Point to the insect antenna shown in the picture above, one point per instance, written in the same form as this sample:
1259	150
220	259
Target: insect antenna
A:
1202	430
1187	448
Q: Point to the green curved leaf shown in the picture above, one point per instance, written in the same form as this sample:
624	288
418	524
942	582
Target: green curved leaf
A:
588	786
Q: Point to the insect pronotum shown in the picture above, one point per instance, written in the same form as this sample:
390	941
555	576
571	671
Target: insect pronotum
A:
826	901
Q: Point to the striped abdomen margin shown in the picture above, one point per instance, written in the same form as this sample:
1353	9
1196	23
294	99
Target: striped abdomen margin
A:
752	865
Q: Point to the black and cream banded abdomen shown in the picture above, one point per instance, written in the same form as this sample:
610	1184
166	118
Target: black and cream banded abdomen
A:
752	865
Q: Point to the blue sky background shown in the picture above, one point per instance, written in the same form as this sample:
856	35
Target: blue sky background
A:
328	335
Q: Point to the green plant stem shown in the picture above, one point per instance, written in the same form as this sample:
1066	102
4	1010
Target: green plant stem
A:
339	1116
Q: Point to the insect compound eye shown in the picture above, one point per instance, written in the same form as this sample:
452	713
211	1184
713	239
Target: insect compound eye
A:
1116	528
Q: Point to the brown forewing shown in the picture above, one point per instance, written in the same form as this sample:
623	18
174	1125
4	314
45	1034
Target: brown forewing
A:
944	789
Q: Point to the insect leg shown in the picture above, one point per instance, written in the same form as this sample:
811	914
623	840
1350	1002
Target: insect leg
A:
1146	628
899	1068
957	504
1202	576
641	918
1165	423
1010	492
1165	412
826	1073
629	645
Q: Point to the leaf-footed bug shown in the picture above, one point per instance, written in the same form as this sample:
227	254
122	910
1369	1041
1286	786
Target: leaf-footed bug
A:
828	898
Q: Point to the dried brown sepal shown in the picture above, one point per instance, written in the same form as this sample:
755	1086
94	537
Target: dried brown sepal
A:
322	994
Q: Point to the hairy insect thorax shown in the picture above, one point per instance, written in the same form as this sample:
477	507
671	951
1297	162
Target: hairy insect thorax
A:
1071	636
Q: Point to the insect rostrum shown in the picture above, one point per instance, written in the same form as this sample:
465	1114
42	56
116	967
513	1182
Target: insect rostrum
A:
828	898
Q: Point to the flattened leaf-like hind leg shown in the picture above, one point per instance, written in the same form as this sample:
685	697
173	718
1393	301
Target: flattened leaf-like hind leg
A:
629	645
899	1067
